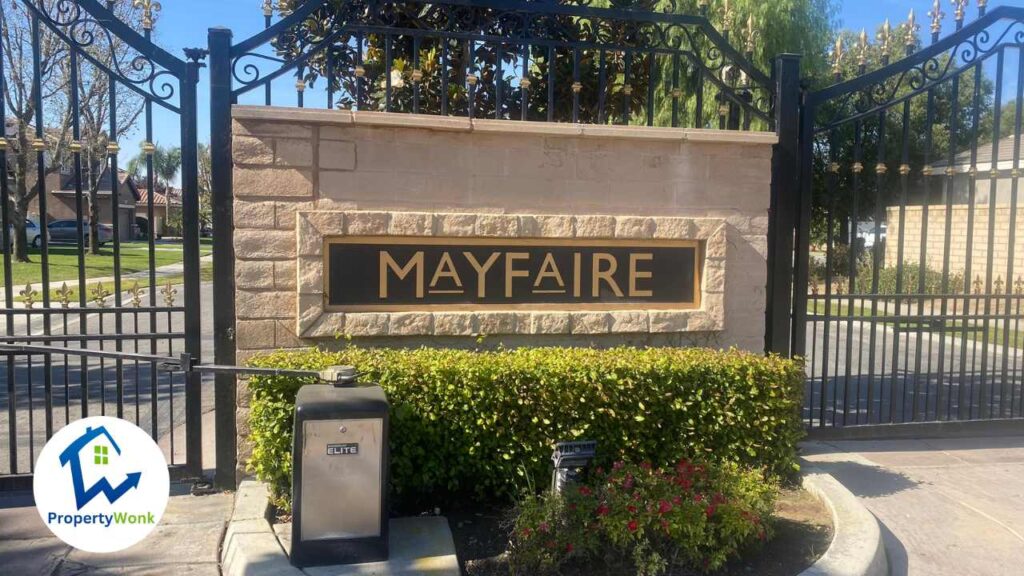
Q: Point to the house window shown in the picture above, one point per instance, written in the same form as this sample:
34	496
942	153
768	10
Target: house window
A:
100	455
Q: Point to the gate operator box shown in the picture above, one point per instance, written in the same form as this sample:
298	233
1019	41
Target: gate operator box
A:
340	474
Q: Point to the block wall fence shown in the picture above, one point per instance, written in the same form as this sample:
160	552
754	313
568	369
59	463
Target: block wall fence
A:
303	175
935	241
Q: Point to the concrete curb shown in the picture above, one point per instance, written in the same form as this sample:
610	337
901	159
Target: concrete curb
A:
857	548
250	547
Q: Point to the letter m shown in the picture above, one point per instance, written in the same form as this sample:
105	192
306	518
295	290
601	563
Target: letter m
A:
387	263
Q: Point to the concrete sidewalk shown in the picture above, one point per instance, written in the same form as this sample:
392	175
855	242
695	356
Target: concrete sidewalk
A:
186	542
947	507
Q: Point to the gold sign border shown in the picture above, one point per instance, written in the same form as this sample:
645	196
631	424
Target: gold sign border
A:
490	241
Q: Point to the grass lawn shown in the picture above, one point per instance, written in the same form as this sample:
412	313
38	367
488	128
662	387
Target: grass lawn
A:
63	262
995	333
205	275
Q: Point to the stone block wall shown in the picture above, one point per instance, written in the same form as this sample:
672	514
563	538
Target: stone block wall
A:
910	234
300	175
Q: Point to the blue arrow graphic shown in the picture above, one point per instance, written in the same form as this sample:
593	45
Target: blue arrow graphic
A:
82	495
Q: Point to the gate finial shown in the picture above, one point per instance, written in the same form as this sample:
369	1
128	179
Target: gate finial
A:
727	17
936	15
751	34
960	7
837	58
910	36
862	51
148	7
884	37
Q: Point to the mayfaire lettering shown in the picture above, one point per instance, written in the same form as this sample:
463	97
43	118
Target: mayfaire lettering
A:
485	272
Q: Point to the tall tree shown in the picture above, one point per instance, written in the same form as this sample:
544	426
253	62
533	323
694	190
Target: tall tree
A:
166	166
24	39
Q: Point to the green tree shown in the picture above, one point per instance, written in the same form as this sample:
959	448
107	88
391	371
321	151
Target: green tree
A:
166	166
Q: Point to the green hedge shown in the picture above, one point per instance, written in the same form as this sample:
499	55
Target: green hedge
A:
480	425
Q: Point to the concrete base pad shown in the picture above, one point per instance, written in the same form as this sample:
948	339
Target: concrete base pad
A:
419	546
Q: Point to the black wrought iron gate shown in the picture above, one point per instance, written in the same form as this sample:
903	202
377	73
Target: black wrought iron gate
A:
910	265
78	80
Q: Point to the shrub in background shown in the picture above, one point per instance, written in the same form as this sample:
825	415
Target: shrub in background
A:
642	520
481	425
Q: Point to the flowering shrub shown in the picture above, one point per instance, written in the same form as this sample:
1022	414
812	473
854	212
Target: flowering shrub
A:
695	516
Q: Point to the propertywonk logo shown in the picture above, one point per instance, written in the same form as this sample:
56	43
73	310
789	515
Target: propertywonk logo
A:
101	484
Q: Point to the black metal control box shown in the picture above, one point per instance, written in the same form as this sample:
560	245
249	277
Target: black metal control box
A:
340	475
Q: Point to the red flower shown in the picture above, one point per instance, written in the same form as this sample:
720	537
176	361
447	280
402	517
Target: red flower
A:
569	548
618	465
677	500
645	465
632	509
698	497
585	491
544	527
664	507
632	526
527	532
710	510
628	482
602	510
718	498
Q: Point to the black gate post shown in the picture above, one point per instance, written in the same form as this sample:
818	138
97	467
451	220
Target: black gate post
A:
190	254
223	252
782	215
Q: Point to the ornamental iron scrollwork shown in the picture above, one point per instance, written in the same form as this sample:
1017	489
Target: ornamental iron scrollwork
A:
492	58
83	26
953	56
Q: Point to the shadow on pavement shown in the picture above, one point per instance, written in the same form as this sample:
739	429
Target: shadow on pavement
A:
866	481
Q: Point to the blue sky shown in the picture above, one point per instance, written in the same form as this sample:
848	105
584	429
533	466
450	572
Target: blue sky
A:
184	23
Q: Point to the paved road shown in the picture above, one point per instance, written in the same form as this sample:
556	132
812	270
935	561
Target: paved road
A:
947	507
97	383
936	377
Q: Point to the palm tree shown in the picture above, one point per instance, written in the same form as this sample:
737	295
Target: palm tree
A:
166	165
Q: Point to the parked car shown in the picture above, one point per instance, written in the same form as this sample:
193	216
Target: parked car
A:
66	231
33	233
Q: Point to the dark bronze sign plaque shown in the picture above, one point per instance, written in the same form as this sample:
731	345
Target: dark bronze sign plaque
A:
394	273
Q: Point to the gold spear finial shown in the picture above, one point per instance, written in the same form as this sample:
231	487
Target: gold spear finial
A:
837	57
751	34
727	17
64	295
960	9
862	48
936	15
148	8
910	38
884	36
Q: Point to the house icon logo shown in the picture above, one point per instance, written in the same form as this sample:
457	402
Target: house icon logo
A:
101	484
72	457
